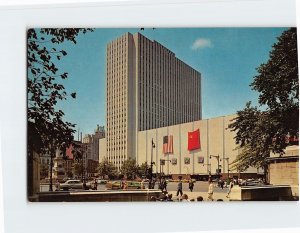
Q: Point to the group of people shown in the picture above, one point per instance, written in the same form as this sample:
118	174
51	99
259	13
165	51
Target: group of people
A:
180	196
169	197
163	185
163	197
179	186
210	188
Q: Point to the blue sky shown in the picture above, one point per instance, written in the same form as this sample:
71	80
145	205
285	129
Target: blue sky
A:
226	58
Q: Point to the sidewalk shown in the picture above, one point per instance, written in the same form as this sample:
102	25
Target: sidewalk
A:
194	195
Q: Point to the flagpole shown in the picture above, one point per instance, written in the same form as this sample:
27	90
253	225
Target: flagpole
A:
193	153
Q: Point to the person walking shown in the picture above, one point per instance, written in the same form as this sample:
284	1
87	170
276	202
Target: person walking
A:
191	185
161	186
57	186
230	188
142	184
95	184
164	184
179	187
210	190
222	183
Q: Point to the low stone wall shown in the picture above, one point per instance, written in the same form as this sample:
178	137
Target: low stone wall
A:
262	193
285	172
98	196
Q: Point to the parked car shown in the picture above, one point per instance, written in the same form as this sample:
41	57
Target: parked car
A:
73	184
113	185
250	182
99	181
133	185
129	185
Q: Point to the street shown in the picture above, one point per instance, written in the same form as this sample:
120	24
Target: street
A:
199	186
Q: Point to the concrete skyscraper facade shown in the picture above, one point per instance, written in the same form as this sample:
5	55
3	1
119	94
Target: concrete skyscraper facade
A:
148	87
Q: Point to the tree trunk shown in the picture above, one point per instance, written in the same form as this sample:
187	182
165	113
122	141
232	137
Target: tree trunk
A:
30	189
51	169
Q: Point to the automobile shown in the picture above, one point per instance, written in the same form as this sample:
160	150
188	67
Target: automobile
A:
133	185
73	184
113	185
117	185
99	181
250	182
66	179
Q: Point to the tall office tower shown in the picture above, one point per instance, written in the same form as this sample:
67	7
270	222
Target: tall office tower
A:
148	87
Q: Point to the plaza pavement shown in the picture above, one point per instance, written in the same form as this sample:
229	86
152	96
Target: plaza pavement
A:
194	195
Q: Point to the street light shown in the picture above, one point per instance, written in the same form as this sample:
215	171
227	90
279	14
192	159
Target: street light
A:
151	164
218	159
227	165
162	163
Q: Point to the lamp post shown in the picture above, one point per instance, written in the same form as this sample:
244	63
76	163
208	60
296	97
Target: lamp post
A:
227	166
218	159
162	163
151	164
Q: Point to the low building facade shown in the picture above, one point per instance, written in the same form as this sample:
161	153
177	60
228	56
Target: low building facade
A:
217	148
284	169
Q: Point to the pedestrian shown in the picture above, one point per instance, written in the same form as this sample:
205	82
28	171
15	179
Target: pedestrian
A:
161	186
149	184
165	198
152	198
222	183
153	183
165	185
95	184
125	185
199	198
191	185
210	190
143	184
57	186
185	198
170	197
230	187
179	187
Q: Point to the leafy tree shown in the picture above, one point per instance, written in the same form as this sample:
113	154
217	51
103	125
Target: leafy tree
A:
255	138
44	170
129	168
47	131
78	168
45	124
258	132
77	152
143	169
106	168
69	174
278	84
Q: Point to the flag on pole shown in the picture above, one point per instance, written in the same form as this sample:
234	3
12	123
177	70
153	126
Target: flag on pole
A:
194	140
168	144
69	152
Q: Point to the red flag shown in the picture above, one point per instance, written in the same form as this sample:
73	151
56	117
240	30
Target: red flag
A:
69	152
194	140
168	144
